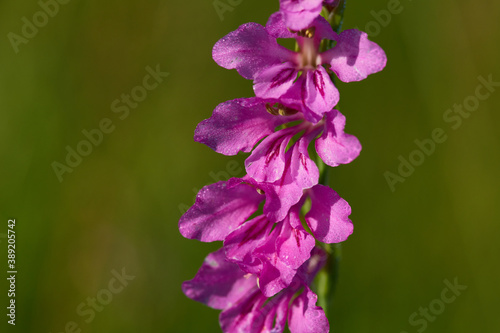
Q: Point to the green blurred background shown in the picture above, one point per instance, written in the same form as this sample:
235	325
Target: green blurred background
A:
120	206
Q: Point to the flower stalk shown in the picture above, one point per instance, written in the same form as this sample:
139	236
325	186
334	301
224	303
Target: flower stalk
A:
263	277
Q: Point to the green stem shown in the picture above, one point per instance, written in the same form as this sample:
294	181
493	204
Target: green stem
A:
335	15
328	277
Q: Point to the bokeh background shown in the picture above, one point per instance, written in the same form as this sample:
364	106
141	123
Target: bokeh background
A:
119	208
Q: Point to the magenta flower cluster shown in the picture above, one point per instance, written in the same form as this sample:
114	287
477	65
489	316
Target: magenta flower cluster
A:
261	278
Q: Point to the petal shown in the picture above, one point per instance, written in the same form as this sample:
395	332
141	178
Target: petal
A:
300	173
274	81
308	271
218	210
257	314
219	283
313	94
280	304
328	218
237	125
334	146
281	195
305	317
299	5
321	95
245	316
271	279
267	161
249	50
299	14
355	57
322	30
284	251
294	244
303	169
294	98
277	28
240	244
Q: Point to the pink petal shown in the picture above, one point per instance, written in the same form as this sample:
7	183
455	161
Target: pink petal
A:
300	173
305	317
294	98
255	313
294	244
267	161
218	210
283	252
299	14
219	283
328	218
281	195
334	146
249	50
355	57
304	171
277	28
274	81
240	244
245	315
313	94
237	125
320	93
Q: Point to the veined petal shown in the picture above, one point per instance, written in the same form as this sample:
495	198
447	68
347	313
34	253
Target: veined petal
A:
281	195
218	210
246	315
328	218
274	278
255	313
283	253
294	244
274	81
267	161
240	244
313	94
304	171
299	173
355	57
249	50
237	125
321	95
219	283
294	99
305	317
334	146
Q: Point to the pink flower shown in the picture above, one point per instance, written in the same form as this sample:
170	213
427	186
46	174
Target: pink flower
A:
298	79
272	251
220	284
240	124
